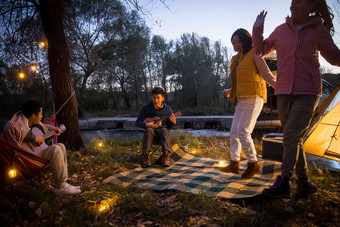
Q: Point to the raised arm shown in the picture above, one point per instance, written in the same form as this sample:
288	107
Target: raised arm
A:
264	71
261	46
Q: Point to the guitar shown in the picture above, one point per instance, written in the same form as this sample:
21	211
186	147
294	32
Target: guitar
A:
158	119
35	148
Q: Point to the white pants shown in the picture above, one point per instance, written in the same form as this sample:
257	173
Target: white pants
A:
246	113
56	154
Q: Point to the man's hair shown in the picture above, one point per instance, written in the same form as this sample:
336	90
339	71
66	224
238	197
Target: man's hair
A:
29	107
157	91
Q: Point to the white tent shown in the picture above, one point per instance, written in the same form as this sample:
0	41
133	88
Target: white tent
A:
323	136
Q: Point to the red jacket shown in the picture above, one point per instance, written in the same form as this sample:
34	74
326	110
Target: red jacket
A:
297	55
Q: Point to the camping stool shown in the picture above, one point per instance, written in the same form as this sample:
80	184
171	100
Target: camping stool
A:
159	146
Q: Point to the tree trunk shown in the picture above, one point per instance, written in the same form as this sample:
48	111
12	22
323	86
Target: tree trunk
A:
52	13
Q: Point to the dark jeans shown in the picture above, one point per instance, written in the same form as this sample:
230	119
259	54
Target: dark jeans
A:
295	113
159	135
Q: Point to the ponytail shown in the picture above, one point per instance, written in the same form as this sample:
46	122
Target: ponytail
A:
322	10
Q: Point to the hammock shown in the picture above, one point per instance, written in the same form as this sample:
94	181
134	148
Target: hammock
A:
26	164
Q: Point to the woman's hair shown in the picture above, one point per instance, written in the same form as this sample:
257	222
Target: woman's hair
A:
30	107
322	10
245	38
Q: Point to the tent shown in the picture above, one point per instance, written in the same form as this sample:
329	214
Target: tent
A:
323	136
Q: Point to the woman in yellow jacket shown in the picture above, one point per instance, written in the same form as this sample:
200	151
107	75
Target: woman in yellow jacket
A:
248	75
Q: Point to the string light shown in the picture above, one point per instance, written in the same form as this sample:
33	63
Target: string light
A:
21	75
100	144
42	44
12	173
33	67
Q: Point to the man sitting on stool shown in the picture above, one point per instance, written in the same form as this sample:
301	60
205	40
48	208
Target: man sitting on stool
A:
156	130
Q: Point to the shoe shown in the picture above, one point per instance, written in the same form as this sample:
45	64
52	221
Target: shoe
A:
280	189
165	159
252	169
305	189
68	185
146	159
67	189
233	167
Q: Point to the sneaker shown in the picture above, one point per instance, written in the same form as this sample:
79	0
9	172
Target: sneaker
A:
233	167
146	162
165	159
305	189
252	169
280	189
67	189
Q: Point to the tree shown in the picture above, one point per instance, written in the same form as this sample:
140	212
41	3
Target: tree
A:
16	15
91	27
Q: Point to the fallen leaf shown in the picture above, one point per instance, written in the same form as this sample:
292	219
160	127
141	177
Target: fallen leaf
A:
31	204
38	212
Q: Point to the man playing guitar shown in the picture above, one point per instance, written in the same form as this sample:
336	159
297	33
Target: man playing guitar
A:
18	131
156	118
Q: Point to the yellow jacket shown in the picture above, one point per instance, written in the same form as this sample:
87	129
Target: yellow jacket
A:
245	79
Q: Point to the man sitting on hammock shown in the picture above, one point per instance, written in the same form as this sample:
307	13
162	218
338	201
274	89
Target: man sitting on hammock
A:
156	130
18	131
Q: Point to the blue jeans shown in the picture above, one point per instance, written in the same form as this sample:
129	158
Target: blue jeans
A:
295	113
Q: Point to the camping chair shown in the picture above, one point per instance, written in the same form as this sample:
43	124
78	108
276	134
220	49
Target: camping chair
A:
18	163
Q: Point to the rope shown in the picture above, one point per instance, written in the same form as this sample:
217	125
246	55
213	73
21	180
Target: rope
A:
64	104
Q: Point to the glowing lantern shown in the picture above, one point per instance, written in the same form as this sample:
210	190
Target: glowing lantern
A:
12	173
221	164
103	207
21	75
33	67
42	43
100	144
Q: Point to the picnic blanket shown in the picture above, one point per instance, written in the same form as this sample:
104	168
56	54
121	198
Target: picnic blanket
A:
194	174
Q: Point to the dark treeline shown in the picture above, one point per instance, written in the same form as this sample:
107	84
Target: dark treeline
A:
115	62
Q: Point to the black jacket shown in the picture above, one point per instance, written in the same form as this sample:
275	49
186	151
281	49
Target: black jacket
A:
149	110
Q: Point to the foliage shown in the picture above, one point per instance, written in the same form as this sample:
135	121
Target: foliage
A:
112	52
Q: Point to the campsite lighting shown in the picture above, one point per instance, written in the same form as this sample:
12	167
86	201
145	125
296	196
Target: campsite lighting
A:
21	75
103	207
12	173
221	163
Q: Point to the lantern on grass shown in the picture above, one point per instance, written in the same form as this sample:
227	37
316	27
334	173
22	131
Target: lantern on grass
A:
221	163
12	172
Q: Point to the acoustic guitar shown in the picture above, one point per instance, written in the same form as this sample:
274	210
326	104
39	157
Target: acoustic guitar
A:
35	148
159	120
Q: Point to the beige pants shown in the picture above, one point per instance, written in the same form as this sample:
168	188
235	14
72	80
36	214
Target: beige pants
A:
56	154
246	113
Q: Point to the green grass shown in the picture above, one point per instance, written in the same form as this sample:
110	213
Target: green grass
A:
30	204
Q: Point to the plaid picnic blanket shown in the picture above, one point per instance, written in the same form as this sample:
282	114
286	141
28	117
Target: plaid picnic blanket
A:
194	174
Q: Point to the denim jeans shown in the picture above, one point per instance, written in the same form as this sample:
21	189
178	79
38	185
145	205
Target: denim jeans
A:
246	113
295	113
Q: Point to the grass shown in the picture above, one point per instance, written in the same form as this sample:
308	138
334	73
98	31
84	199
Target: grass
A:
30	204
